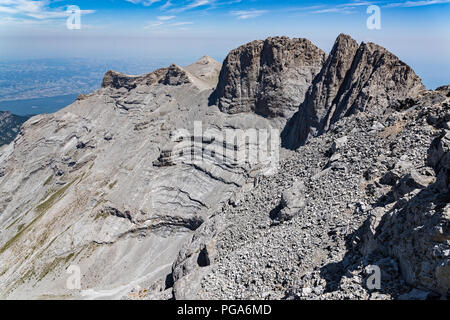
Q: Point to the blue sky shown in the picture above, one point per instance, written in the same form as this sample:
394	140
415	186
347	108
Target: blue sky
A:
418	31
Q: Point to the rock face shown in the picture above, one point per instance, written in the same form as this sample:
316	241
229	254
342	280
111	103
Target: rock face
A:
365	78
415	227
268	77
9	126
292	203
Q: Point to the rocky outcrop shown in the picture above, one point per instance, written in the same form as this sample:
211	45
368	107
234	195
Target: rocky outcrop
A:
292	203
9	126
415	228
371	193
268	77
206	69
171	76
354	79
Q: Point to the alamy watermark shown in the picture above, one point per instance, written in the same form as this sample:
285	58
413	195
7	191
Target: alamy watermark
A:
374	20
228	147
73	282
374	280
73	22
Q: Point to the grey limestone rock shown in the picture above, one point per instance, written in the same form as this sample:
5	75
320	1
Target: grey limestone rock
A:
268	77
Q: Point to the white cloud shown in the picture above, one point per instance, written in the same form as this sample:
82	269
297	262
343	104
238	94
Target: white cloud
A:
193	5
165	23
166	5
7	10
335	10
165	18
144	2
153	24
33	9
176	24
422	3
248	14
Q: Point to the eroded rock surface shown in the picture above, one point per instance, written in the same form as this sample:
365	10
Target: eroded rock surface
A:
364	78
268	77
104	185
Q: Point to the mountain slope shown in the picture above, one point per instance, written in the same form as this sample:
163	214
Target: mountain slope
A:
361	195
103	184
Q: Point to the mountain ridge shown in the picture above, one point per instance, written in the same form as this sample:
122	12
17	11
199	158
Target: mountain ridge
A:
366	72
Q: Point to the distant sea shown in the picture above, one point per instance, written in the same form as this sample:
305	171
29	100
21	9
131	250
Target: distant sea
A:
28	107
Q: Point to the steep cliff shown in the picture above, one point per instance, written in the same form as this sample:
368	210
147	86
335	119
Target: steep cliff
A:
268	77
354	79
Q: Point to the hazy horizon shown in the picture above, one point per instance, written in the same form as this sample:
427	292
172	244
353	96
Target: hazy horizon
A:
418	32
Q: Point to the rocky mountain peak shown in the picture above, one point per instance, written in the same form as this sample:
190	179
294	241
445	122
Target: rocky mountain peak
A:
205	60
206	69
353	79
117	80
269	77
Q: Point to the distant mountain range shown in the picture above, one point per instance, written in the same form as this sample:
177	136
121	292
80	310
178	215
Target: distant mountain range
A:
9	126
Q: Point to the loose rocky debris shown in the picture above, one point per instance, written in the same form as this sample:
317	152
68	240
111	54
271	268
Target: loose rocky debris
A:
383	204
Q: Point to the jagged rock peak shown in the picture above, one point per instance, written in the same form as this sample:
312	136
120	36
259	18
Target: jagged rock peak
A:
117	79
172	75
325	87
365	78
268	77
206	69
175	76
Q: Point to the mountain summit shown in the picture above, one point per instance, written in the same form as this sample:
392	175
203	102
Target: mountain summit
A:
268	77
364	78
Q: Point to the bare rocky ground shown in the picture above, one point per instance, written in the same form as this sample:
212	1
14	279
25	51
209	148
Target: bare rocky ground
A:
363	168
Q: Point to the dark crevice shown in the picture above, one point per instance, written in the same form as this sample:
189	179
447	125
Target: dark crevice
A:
169	281
203	258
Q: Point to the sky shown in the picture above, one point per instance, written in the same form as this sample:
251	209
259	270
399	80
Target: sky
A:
418	31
